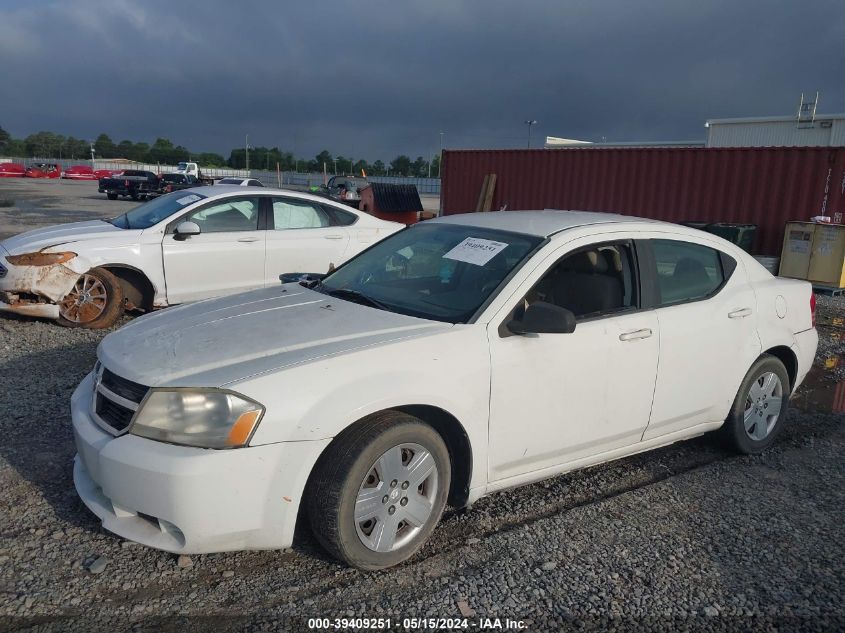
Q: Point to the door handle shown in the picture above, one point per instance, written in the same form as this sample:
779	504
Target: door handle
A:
248	239
636	334
334	236
740	313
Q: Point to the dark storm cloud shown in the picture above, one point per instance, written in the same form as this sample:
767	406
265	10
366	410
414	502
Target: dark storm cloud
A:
373	79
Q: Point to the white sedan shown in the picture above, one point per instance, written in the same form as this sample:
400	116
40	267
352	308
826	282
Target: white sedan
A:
188	245
458	357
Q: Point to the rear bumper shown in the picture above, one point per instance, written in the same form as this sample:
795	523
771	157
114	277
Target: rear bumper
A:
189	500
806	344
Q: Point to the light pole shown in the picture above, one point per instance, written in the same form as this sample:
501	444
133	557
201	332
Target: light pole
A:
529	123
247	152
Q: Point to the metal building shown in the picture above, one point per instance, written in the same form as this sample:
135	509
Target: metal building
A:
818	130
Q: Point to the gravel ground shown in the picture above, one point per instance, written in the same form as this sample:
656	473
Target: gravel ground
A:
686	537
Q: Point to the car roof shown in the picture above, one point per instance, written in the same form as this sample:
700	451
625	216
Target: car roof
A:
540	223
218	190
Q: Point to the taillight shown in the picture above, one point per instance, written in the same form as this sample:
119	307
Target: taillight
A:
125	183
813	308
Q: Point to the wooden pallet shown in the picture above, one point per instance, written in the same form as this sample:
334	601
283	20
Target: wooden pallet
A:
830	291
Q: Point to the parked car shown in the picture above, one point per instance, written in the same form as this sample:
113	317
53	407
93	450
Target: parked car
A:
461	356
177	182
345	189
12	170
242	182
131	183
183	246
79	172
107	173
43	170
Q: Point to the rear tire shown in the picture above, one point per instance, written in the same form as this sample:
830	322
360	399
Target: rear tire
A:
95	302
758	411
378	491
111	196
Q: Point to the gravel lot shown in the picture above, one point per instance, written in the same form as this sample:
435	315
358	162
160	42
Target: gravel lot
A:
689	537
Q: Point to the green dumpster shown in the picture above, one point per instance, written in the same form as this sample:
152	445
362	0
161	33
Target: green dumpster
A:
740	234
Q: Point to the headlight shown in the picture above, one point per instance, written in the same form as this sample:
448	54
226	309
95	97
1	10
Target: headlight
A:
40	259
206	418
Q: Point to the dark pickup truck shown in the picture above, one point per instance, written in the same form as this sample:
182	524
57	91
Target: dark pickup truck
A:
132	183
177	182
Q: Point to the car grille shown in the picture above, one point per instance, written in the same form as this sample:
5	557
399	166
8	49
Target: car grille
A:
116	400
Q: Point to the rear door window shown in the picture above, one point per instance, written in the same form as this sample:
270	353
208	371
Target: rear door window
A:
687	271
298	214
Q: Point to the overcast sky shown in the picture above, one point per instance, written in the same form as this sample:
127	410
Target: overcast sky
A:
374	79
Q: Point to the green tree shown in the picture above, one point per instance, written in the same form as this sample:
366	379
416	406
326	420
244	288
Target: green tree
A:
435	167
15	147
5	138
140	152
124	149
378	169
76	148
210	159
400	166
420	167
105	147
162	151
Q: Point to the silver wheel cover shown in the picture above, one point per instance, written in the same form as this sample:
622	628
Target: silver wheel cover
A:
396	498
762	406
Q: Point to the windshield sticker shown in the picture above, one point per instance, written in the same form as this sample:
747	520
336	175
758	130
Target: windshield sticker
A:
188	199
474	250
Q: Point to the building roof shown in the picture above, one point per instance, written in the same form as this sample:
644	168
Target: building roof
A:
792	118
540	223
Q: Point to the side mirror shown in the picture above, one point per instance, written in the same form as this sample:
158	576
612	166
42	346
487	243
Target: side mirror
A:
544	318
185	230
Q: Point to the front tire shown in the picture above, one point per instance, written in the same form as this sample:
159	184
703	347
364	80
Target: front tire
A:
759	408
94	302
111	196
379	490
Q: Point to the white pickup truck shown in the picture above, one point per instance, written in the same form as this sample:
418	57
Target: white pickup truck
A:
183	246
209	175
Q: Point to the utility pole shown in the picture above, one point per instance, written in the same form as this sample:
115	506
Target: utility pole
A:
247	152
529	123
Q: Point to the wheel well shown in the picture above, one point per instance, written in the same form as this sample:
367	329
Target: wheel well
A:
138	290
457	441
789	360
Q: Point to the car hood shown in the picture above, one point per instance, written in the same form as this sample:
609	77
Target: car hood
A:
218	341
36	240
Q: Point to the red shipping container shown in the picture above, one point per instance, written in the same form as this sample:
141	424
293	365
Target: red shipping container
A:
762	186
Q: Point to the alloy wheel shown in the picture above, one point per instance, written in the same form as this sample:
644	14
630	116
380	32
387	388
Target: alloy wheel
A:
86	301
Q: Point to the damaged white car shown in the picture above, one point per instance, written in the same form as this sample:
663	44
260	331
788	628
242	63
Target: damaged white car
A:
461	356
184	246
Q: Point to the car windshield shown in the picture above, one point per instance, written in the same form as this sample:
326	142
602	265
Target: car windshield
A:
156	210
230	181
443	272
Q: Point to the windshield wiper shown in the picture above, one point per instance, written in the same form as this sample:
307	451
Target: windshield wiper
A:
357	297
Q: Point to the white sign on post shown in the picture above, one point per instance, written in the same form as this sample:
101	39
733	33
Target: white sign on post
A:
474	250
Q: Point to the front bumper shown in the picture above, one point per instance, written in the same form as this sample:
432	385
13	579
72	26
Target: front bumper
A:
35	290
189	500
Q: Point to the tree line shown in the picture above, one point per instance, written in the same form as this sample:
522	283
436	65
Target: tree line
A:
52	145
